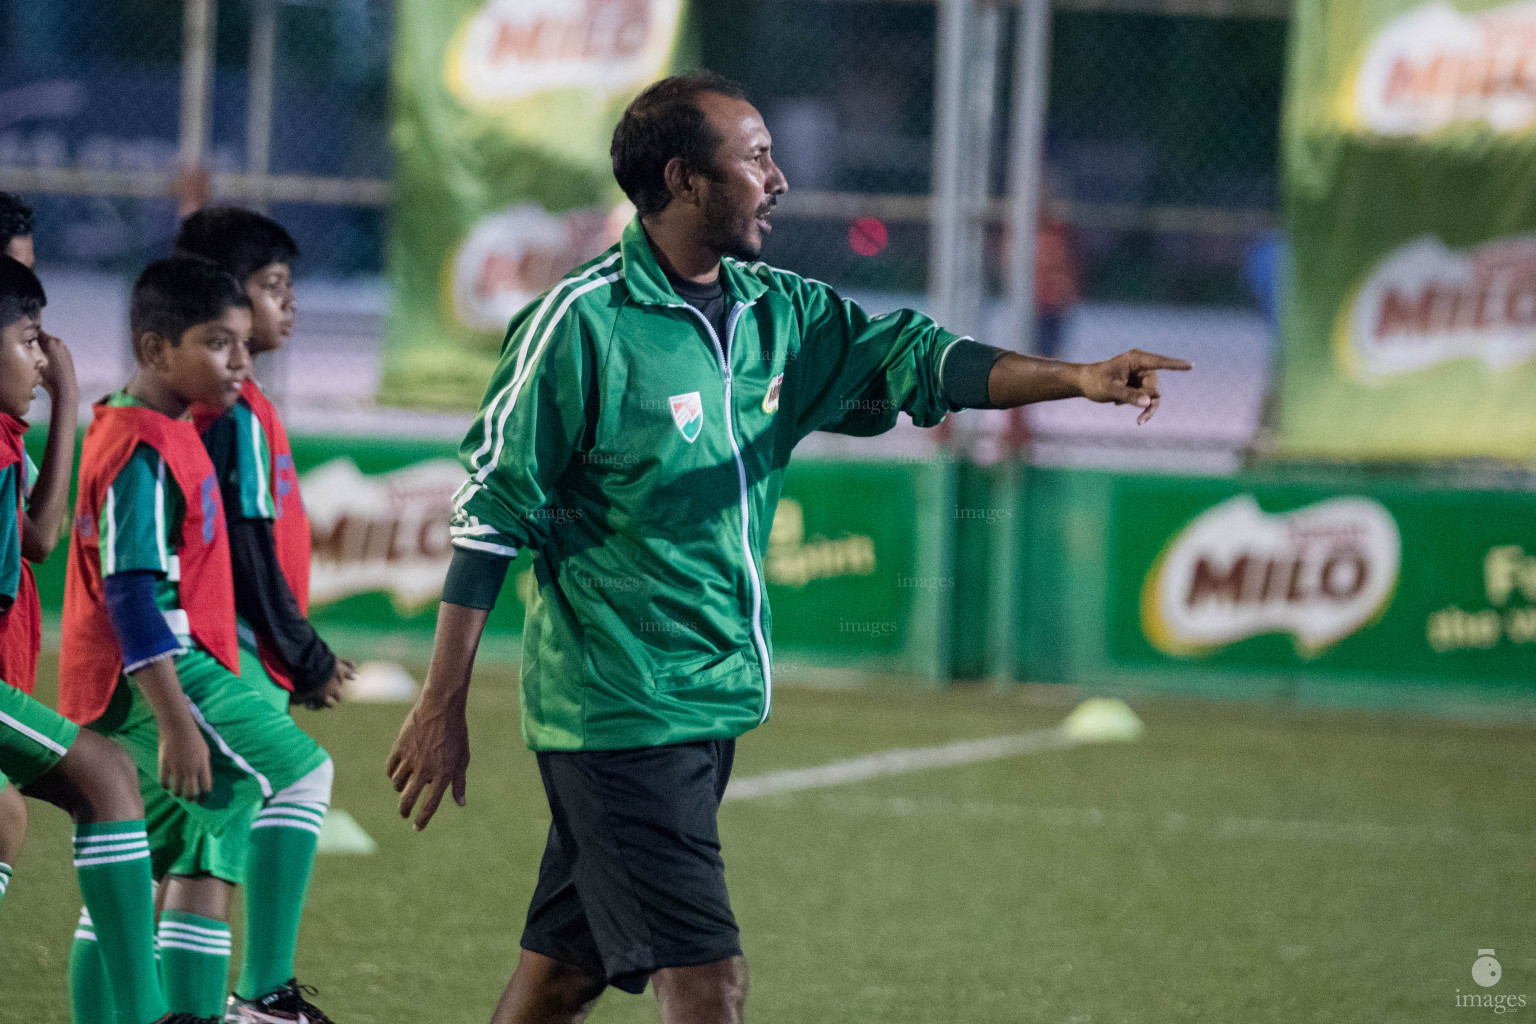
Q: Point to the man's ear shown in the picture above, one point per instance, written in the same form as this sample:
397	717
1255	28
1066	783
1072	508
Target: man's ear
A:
681	181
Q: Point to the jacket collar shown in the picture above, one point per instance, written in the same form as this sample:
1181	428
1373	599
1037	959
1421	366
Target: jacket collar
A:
648	284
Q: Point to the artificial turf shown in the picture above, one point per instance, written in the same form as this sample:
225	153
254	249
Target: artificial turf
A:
1241	862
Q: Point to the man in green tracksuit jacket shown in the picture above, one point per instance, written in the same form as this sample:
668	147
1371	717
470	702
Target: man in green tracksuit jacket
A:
635	436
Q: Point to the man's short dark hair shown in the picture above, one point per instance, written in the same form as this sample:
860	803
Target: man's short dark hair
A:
664	122
15	219
21	293
239	240
176	294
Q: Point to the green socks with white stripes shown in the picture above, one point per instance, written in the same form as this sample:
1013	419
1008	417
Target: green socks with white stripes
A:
194	963
90	995
112	861
282	853
5	879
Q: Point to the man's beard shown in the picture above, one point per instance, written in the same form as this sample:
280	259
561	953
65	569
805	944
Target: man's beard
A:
725	235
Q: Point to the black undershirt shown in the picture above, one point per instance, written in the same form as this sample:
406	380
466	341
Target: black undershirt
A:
708	299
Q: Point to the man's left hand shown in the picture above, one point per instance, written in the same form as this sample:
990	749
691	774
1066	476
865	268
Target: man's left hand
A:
1130	378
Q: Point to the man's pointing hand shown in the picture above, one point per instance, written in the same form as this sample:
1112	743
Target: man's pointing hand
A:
1130	378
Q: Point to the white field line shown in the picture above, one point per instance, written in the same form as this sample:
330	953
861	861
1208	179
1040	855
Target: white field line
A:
1174	823
896	762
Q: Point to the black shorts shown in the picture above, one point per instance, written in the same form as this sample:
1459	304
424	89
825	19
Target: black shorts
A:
632	879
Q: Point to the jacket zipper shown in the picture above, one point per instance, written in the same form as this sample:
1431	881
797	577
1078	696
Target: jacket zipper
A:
741	475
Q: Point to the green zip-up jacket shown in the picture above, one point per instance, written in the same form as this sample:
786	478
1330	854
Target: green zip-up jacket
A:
641	457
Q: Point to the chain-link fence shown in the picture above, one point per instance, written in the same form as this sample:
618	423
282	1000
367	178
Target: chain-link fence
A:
1158	191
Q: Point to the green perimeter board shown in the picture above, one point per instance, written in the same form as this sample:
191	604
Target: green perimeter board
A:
1088	541
856	568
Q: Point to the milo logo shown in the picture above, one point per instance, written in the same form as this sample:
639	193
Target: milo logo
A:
512	49
1427	304
1435	67
381	532
1319	573
510	257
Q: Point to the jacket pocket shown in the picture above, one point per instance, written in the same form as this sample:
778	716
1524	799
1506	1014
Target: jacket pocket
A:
714	671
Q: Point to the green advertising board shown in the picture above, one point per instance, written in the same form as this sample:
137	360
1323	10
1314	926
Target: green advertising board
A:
856	566
1258	584
1409	163
502	183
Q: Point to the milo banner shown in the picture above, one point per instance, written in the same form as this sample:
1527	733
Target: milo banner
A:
503	111
1394	583
1409	327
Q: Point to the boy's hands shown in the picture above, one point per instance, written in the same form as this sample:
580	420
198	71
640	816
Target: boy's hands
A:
329	695
59	375
184	767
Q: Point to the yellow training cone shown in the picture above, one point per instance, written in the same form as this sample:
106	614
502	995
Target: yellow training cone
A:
1102	720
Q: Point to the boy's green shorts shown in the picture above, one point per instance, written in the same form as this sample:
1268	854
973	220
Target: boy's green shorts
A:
33	737
255	749
221	854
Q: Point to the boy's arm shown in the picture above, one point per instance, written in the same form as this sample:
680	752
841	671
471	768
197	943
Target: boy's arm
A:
185	770
239	447
264	599
136	553
12	483
50	495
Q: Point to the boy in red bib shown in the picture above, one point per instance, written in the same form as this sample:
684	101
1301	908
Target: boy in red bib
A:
42	753
269	531
151	657
281	654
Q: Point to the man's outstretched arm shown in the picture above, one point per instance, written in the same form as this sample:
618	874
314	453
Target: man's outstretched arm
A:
1130	378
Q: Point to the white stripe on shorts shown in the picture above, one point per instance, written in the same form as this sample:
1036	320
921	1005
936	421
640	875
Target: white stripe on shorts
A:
32	734
228	751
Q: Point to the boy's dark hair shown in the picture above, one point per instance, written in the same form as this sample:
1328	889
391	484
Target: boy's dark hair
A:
15	219
239	240
662	122
176	294
21	293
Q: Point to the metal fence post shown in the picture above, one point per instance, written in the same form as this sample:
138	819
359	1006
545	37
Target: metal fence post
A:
272	368
196	83
258	119
948	131
1026	144
976	149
